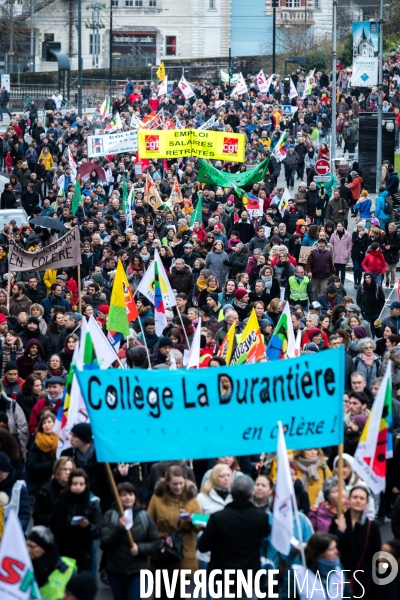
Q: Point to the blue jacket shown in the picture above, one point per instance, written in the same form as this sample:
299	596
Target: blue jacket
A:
393	183
307	241
129	88
51	301
379	206
364	208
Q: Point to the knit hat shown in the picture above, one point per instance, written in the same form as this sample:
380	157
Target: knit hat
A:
360	332
5	465
311	347
226	307
2	318
42	536
331	289
312	332
360	420
11	365
301	222
213	295
375	221
104	308
266	321
364	193
82	585
97	277
207	310
164	342
40	365
361	224
83	431
33	320
240	294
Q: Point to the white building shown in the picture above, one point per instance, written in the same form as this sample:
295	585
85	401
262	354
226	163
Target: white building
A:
144	32
315	14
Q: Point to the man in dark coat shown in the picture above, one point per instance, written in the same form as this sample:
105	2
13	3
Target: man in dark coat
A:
180	278
234	534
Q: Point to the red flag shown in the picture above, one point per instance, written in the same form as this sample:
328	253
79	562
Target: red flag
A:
131	308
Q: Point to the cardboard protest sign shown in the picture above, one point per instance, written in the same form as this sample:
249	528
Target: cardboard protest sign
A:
65	252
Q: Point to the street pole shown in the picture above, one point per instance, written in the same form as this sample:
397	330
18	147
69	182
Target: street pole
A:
111	41
80	61
380	80
333	124
273	36
32	40
11	36
229	70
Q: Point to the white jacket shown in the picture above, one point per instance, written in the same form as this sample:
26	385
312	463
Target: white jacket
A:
209	504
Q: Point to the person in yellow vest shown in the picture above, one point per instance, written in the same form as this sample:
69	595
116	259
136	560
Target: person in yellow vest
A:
299	289
52	572
49	278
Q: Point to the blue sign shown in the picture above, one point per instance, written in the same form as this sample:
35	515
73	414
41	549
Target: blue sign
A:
141	415
286	109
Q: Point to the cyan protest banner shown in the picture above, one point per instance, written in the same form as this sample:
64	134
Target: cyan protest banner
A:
140	415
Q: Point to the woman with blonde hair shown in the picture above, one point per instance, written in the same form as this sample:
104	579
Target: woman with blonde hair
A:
274	309
312	471
37	310
214	496
51	491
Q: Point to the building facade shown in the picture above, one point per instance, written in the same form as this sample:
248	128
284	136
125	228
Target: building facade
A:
144	32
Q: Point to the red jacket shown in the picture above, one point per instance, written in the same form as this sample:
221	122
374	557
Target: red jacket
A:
72	286
154	103
374	261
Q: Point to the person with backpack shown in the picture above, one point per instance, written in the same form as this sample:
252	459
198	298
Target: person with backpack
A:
371	299
383	207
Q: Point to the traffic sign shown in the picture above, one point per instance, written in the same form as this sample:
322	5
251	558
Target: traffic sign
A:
286	109
321	178
322	166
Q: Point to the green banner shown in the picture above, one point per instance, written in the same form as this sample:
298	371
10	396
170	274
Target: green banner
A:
211	175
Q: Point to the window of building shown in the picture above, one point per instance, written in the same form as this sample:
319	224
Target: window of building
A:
212	4
114	3
94	44
317	3
292	3
170	45
152	3
138	3
49	37
128	3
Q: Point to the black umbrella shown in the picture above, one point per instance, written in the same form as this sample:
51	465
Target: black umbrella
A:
48	222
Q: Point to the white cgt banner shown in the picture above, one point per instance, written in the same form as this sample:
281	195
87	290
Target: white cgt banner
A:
185	88
114	143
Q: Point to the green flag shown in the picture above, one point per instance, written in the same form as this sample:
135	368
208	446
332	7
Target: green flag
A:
211	175
124	196
76	198
197	214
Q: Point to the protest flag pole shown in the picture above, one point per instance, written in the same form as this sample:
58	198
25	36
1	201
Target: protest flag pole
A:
340	479
184	330
8	287
144	341
79	289
117	500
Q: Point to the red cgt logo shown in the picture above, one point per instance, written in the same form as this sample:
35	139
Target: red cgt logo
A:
152	142
230	145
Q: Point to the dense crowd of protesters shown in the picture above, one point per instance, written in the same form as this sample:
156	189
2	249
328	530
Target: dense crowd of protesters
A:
220	267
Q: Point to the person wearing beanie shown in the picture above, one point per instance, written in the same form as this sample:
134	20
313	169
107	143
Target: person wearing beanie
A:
52	572
16	490
163	348
31	332
241	303
363	208
81	586
11	381
360	332
75	536
328	300
124	563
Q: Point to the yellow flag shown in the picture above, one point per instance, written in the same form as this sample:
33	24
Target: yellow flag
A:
225	350
117	317
161	74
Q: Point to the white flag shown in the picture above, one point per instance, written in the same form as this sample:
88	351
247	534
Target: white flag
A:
262	82
105	353
72	162
368	458
208	123
163	87
286	196
291	349
17	580
185	88
136	123
293	92
194	354
240	87
146	286
129	209
225	77
283	523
